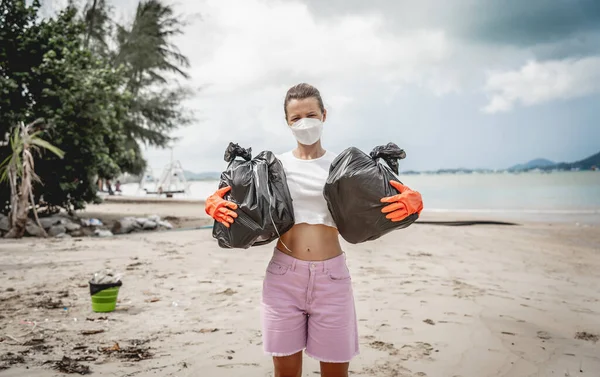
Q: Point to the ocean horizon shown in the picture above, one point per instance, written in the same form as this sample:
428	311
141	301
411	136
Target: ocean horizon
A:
510	195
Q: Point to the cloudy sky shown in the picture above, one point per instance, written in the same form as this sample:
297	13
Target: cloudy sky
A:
462	83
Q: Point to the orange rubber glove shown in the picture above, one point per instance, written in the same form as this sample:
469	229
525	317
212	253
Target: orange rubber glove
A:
406	203
219	208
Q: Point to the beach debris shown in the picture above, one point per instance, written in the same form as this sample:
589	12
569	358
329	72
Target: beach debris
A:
106	276
91	222
97	319
429	322
9	359
125	226
63	235
103	233
92	332
49	303
131	353
206	331
133	266
70	366
587	336
34	342
154	299
228	292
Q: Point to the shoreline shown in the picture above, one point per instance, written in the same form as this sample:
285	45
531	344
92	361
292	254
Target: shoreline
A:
191	212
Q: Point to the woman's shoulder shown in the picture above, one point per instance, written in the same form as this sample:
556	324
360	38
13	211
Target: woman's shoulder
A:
284	155
331	154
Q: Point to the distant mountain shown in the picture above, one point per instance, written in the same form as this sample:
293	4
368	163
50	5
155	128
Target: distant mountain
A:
206	176
592	162
533	164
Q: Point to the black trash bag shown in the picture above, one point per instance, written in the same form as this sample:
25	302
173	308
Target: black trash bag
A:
356	184
259	188
95	288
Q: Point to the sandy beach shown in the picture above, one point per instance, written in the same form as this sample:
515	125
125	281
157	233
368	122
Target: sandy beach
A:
472	301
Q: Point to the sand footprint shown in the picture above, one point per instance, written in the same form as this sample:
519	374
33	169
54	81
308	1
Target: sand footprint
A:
464	290
407	331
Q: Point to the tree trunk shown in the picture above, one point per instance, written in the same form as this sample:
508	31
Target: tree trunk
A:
35	214
19	215
14	196
90	25
18	212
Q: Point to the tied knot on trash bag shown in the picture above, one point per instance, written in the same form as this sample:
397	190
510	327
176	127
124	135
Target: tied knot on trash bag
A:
234	150
259	189
355	186
104	279
391	154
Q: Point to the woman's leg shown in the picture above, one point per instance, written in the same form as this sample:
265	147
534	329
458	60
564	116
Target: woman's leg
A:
334	369
283	316
332	336
288	366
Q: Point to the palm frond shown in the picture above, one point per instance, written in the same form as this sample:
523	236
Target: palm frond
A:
46	145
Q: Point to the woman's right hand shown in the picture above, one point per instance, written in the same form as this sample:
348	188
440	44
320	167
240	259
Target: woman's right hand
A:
220	209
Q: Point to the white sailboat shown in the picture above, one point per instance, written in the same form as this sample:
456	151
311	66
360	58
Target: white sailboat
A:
172	180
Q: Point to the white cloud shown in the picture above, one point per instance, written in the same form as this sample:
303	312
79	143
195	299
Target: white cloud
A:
247	53
388	70
539	82
257	42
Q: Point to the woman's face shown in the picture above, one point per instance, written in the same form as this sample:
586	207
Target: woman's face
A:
304	108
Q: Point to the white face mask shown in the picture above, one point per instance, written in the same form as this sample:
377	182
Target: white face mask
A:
307	130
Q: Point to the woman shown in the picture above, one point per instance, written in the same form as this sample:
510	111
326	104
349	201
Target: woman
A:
307	300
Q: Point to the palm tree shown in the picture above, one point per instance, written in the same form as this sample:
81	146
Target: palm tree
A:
145	47
145	50
18	170
98	26
153	61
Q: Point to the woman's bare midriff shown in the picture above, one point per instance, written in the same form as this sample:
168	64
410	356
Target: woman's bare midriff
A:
311	242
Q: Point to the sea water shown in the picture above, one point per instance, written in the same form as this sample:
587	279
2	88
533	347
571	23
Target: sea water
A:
555	196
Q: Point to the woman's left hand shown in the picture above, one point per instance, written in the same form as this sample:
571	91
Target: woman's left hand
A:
406	203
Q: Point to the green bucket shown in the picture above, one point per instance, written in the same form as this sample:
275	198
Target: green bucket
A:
104	297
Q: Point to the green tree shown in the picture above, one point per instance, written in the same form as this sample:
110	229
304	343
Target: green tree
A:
47	73
100	103
152	64
98	27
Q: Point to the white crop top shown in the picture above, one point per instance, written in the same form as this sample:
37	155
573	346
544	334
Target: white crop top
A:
306	180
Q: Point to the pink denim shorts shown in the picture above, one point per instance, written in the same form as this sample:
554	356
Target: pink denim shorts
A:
309	305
